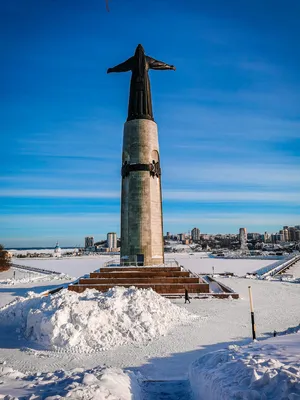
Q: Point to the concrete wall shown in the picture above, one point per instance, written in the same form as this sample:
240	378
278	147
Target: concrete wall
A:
141	210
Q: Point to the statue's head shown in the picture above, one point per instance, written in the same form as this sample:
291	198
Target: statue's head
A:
139	50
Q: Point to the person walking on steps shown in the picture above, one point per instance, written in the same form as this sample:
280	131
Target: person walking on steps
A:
186	296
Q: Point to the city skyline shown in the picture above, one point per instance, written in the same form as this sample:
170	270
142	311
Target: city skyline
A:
228	119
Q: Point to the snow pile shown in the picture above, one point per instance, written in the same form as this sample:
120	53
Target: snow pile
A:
7	372
97	383
286	278
30	278
269	369
94	321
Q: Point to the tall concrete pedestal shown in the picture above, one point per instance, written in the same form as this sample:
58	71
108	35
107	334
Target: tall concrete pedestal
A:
141	200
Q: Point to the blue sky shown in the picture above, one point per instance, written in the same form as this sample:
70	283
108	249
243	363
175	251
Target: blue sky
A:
228	118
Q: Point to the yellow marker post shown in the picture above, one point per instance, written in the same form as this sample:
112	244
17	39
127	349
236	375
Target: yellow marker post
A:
252	314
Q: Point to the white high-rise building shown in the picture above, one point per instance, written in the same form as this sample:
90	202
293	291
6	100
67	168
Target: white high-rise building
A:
243	238
195	234
112	240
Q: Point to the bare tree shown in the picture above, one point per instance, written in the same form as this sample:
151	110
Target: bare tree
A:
5	262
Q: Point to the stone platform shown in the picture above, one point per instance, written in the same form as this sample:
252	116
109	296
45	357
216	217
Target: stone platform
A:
164	280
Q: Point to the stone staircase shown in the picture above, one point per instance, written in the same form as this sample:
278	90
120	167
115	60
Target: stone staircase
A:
164	280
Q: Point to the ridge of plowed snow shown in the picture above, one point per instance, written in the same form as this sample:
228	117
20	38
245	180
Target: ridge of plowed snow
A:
98	383
94	321
267	369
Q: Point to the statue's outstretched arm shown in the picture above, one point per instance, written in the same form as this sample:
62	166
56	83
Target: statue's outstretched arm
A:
123	67
155	64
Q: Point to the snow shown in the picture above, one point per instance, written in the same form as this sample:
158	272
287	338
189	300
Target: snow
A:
73	266
294	271
269	369
220	324
98	383
93	321
21	277
201	264
196	262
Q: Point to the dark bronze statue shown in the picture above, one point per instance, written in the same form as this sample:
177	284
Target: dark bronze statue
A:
140	104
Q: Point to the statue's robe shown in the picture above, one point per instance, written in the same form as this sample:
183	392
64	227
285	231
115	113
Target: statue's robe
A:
140	104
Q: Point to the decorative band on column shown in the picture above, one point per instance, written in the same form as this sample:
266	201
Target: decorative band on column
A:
153	168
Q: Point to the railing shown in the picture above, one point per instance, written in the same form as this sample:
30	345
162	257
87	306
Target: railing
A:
36	270
115	262
280	268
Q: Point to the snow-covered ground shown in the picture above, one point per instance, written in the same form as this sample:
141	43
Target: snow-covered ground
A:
98	383
73	266
269	369
196	262
15	276
294	270
202	264
221	323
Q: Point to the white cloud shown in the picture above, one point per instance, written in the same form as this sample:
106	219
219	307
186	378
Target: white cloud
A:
263	174
48	193
234	196
169	195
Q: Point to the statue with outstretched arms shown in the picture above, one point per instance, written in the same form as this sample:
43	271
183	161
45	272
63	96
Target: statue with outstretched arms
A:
140	104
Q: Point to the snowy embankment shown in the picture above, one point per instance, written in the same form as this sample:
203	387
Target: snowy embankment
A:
98	383
269	369
93	321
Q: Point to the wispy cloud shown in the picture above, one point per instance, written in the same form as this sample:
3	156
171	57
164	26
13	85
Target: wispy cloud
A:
269	175
79	194
169	195
234	196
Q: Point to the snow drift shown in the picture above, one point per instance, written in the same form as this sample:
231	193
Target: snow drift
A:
266	370
93	321
97	383
34	277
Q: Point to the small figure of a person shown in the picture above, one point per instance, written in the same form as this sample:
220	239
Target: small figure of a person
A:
14	274
186	296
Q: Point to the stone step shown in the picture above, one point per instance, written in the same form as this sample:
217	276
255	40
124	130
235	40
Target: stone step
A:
135	281
130	274
139	269
170	289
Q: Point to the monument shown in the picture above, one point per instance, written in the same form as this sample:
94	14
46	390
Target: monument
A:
141	197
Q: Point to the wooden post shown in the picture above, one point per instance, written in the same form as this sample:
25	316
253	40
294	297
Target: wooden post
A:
252	314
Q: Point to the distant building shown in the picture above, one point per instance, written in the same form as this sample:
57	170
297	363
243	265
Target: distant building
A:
88	242
181	236
243	238
253	236
57	250
286	235
276	237
111	240
196	234
292	234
